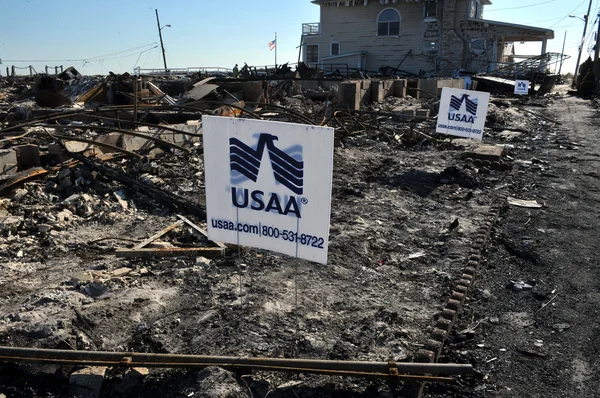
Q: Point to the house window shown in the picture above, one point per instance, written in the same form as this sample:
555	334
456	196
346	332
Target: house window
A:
312	54
476	9
388	23
478	46
430	46
430	10
335	48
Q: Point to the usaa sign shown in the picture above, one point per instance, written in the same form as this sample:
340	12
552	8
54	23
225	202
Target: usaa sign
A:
462	113
268	185
521	87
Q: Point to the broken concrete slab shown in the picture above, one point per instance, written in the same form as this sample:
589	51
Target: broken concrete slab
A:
113	139
201	90
87	382
477	150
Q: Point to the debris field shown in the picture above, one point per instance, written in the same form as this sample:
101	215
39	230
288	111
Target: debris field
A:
103	247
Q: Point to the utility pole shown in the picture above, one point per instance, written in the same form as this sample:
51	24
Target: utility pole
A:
562	55
585	19
597	50
163	46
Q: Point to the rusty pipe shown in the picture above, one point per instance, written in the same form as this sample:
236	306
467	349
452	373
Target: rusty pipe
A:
132	359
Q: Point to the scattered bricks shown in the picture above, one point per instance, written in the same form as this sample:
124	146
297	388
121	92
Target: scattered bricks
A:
467	277
475	257
464	282
449	314
425	356
439	335
456	296
453	304
473	264
444	324
470	270
28	156
432	345
460	289
8	161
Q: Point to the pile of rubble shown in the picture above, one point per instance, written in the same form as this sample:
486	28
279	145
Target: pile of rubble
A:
101	210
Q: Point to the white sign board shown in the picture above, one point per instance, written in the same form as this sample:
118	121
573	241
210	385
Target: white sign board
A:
522	87
268	185
462	113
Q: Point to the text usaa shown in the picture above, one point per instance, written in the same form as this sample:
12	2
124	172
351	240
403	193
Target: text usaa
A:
458	117
255	200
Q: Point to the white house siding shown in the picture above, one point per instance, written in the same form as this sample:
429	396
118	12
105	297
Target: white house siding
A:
355	28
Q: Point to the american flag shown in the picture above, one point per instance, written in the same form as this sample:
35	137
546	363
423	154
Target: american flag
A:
272	45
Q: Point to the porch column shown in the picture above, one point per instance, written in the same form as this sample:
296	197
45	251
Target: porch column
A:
544	43
543	64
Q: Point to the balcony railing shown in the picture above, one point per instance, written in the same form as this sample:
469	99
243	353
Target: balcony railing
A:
311	28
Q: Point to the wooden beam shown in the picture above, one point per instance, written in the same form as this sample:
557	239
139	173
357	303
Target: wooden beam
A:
202	231
208	252
157	235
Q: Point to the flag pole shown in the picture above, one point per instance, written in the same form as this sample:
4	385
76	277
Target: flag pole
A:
276	45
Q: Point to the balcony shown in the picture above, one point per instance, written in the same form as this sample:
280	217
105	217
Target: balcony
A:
311	29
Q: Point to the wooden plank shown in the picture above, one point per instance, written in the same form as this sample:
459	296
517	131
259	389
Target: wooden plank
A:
202	231
157	235
208	252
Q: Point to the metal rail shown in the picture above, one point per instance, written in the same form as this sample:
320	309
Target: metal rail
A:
396	370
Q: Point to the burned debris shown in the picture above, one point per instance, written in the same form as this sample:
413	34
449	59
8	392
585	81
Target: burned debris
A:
102	187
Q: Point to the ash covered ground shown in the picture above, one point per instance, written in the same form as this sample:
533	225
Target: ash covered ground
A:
395	253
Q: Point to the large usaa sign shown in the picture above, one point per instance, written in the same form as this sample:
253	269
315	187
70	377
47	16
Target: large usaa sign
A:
462	113
268	185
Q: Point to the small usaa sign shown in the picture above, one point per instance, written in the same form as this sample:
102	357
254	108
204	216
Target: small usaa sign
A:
268	185
462	113
521	87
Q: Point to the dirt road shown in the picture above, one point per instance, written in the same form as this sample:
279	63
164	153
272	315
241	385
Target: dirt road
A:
544	341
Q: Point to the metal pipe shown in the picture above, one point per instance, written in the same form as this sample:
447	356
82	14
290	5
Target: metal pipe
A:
132	359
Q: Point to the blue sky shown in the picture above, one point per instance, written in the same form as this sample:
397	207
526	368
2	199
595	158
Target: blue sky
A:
99	36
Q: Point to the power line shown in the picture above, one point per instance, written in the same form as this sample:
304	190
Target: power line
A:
567	16
82	59
518	8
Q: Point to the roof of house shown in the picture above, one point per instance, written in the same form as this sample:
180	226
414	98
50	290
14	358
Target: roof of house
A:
516	32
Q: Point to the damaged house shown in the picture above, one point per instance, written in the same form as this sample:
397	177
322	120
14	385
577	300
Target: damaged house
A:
436	37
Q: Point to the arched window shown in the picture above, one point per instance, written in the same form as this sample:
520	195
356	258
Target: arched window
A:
388	23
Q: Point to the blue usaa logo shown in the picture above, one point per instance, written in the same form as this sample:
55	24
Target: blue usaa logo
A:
456	103
288	170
